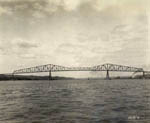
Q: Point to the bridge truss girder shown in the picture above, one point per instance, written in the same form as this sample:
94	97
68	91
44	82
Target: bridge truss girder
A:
56	68
114	67
50	67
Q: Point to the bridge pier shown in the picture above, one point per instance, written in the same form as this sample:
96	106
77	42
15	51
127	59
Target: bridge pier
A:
107	75
143	74
13	76
50	75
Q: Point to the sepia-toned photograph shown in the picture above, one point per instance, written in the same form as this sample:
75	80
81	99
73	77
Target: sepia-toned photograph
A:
74	61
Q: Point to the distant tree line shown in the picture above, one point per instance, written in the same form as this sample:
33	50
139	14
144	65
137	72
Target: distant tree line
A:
31	77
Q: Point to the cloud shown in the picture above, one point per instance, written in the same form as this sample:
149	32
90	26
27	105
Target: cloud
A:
2	49
22	8
26	45
48	7
18	47
5	11
70	48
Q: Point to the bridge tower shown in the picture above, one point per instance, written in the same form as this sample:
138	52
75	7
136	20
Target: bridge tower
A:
107	75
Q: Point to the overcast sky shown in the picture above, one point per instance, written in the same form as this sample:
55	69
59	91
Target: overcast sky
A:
73	33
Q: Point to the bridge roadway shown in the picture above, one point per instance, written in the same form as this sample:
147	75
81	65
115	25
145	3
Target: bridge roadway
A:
56	68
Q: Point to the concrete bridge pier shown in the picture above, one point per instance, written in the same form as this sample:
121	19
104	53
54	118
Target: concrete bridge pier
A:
143	74
13	76
107	75
50	75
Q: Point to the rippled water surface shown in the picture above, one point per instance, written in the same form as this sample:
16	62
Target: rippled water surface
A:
75	101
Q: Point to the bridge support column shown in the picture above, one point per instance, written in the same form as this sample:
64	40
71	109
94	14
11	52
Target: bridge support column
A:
107	75
13	76
143	74
50	75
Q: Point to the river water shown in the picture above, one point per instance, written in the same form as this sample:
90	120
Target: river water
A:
75	101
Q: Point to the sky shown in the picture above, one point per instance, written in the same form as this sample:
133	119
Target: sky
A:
74	33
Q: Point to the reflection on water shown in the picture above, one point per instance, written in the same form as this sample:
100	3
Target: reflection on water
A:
75	101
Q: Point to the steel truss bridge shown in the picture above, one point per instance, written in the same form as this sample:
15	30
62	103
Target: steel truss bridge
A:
104	67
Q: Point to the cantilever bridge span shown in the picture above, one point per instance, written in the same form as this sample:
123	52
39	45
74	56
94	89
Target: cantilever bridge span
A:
56	68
